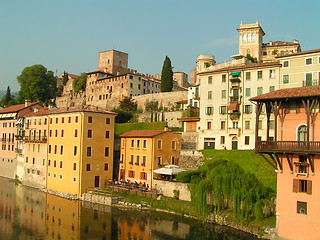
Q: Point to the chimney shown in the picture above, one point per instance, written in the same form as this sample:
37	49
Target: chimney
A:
166	128
27	103
295	41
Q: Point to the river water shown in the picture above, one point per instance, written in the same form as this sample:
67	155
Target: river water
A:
26	213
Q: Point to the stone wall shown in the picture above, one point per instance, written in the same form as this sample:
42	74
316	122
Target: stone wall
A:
169	116
165	99
190	159
190	140
8	167
70	100
166	188
94	198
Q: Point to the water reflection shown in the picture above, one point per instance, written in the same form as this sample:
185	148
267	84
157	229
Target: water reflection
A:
26	213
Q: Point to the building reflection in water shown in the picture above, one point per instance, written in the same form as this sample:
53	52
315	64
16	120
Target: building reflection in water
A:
26	213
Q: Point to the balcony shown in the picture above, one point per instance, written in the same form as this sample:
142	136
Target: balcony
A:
309	83
40	139
287	146
18	151
19	137
234	115
234	99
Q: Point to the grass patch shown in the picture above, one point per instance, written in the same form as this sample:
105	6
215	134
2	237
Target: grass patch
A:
249	162
126	127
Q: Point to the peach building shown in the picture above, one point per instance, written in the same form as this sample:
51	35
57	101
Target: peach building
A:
143	151
295	154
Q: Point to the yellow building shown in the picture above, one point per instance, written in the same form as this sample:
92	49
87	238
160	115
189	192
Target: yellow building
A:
80	149
143	151
301	69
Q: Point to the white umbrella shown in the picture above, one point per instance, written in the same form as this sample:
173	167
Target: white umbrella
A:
169	170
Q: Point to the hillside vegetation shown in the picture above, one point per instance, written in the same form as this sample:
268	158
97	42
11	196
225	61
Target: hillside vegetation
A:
121	128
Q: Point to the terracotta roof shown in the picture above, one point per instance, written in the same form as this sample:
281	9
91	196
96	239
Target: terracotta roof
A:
300	92
244	67
279	43
182	101
85	108
73	75
189	119
16	108
300	53
142	133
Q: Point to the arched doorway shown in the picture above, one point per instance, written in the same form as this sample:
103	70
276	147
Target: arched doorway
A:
302	133
234	143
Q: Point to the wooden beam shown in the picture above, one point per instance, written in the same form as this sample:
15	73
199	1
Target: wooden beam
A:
274	165
290	163
310	158
278	161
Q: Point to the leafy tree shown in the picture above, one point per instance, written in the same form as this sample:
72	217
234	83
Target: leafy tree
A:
65	78
37	84
151	105
8	99
166	76
79	84
128	104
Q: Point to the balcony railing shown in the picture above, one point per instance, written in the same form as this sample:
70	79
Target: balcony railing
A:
18	150
288	146
234	115
40	139
309	83
235	99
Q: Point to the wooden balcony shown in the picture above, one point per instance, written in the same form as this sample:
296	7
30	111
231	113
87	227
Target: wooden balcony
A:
39	139
287	147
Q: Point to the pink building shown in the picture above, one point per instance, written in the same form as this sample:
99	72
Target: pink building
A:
295	154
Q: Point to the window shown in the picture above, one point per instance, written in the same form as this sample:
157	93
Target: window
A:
50	120
89	119
61	149
209	79
56	133
106	151
60	164
144	160
57	120
259	91
138	143
50	133
88	167
69	119
223	93
222	140
247	124
271	124
158	160
131	159
76	120
303	186
62	133
223	110
132	143
143	175
209	94
308	61
259	74
272	73
107	120
76	133
272	88
248	92
260	124
49	149
159	144
173	145
74	166
248	75
285	79
235	125
107	134
144	144
302	208
208	125
89	133
247	108
131	174
89	149
55	149
137	160
106	167
224	78
246	140
54	163
285	64
209	110
308	79
74	150
223	124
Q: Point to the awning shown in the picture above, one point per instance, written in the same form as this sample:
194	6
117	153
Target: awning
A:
169	170
8	115
233	106
235	73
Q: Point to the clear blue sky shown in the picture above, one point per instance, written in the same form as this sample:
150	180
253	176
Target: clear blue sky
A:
66	35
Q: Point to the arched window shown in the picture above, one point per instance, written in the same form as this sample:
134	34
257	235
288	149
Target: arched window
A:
244	37
249	37
234	142
253	37
248	52
302	133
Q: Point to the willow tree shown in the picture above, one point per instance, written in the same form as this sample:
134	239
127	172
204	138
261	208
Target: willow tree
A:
166	76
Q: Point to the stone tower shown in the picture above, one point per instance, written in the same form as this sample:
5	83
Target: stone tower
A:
113	62
250	40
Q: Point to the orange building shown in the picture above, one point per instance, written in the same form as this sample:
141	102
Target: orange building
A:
295	154
143	151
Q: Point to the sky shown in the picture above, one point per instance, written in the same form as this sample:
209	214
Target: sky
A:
67	35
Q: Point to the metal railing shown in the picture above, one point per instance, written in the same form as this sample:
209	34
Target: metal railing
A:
309	83
42	139
287	146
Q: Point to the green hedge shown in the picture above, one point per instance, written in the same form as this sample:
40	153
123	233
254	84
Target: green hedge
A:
126	127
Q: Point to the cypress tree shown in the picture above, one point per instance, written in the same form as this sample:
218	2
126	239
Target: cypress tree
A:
166	76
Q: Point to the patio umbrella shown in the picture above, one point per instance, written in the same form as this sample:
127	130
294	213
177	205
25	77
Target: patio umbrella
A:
169	170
